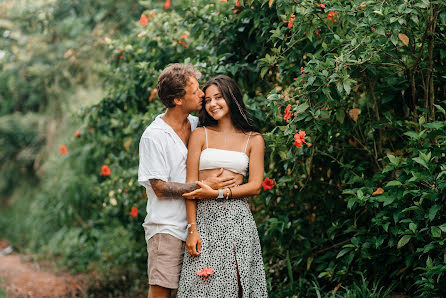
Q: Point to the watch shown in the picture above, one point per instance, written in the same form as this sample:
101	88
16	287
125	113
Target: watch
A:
220	194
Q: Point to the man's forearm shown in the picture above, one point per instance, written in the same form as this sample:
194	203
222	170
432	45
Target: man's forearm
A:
171	190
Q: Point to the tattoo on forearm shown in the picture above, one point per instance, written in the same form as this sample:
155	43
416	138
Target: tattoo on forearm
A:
169	190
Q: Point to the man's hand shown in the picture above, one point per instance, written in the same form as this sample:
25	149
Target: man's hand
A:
204	192
193	243
217	182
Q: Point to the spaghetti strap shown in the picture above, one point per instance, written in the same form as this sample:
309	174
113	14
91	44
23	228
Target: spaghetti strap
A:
206	134
246	147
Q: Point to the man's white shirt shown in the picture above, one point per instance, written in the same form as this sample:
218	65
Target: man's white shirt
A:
162	155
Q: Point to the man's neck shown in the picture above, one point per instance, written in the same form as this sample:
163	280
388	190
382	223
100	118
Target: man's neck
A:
176	118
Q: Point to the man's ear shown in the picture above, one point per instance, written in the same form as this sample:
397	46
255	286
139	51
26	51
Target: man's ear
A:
178	101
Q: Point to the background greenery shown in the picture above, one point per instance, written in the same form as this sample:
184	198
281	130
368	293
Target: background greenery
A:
358	212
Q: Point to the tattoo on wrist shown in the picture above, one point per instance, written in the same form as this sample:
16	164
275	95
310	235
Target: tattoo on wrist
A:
169	190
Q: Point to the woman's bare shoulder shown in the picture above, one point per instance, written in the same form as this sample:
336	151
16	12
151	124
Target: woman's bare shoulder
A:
256	137
199	131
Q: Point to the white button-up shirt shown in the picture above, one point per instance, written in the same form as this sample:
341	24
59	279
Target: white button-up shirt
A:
162	155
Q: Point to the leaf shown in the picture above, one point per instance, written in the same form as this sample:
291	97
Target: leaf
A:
302	108
290	270
404	39
435	125
127	144
340	115
354	113
343	252
436	232
433	211
377	192
394	159
412	134
440	108
394	183
309	261
403	241
421	162
413	227
347	87
388	200
443	228
429	262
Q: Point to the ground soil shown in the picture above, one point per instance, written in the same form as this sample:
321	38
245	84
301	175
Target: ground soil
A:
20	276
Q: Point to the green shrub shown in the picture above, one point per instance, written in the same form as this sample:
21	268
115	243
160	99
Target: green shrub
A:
364	80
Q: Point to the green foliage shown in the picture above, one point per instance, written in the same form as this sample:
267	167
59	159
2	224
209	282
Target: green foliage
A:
19	148
364	80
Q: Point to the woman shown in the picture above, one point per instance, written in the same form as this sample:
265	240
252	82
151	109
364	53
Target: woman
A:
223	238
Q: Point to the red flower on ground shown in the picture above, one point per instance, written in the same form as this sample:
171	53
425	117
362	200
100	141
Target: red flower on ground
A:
373	29
167	4
77	133
291	21
63	149
267	184
143	20
302	70
332	16
205	272
133	212
287	112
105	171
237	3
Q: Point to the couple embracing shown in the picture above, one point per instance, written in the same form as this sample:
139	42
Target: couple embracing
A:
202	240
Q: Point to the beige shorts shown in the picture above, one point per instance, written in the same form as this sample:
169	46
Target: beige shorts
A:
165	258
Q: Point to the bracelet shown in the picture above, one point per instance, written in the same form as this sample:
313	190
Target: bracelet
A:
230	191
192	231
220	194
189	225
227	192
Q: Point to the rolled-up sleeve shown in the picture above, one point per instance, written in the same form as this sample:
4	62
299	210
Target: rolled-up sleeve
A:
152	160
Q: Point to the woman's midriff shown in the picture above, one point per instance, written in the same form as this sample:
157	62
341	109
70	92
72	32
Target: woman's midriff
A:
226	173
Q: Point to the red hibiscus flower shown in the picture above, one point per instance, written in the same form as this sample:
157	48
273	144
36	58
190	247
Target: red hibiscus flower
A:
267	184
291	21
63	149
105	171
287	112
143	20
133	212
332	16
299	139
77	133
167	4
322	6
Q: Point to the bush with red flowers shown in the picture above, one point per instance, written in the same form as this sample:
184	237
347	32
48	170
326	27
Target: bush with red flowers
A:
321	220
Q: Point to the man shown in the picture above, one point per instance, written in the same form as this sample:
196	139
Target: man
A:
162	170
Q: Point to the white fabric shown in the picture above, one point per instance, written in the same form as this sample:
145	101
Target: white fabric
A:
162	155
213	158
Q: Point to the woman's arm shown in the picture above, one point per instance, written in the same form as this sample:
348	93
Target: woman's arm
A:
256	172
193	242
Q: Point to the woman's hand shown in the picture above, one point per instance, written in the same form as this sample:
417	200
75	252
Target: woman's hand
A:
204	192
193	243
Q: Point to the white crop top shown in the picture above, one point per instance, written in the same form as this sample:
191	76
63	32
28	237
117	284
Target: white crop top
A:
213	158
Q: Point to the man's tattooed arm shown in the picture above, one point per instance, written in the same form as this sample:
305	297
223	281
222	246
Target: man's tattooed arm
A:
171	190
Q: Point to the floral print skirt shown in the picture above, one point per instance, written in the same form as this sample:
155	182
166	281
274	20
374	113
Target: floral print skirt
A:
229	239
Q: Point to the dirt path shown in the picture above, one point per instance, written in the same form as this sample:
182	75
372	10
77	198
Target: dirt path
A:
21	278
